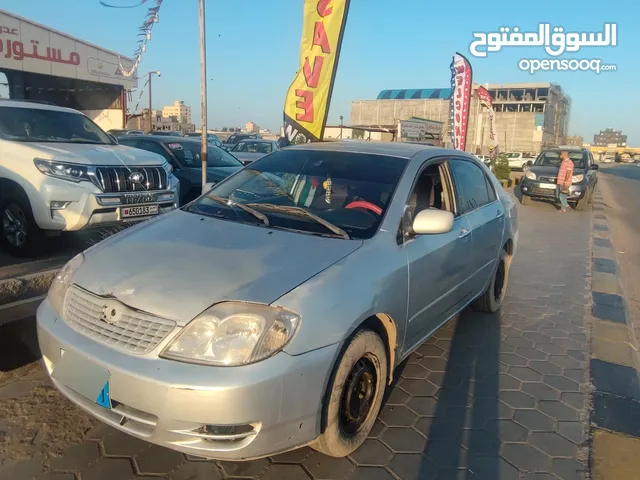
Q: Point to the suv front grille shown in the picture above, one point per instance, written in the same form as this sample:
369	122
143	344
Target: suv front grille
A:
118	179
134	332
548	179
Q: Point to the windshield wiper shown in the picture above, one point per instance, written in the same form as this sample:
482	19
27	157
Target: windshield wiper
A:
225	201
302	212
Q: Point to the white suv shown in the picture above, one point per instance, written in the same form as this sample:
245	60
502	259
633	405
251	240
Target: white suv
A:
60	172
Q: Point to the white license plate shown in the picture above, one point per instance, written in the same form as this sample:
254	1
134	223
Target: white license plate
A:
141	211
551	186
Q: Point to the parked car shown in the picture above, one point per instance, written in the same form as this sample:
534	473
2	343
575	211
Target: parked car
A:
184	156
486	159
540	180
259	319
250	150
61	172
230	142
517	160
120	133
164	133
135	132
211	138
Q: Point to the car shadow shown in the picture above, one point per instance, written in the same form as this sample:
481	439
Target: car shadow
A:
18	344
463	434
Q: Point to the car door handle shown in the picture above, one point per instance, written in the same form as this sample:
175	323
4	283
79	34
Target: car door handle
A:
464	232
500	214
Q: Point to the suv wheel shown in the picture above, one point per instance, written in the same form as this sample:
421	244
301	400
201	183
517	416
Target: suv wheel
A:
581	204
19	233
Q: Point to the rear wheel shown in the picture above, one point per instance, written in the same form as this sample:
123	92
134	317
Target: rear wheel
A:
354	395
492	298
19	233
525	199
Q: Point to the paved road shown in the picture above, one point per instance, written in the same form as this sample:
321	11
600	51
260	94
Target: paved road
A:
495	397
620	189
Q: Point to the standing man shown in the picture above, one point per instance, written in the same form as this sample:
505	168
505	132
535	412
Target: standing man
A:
564	180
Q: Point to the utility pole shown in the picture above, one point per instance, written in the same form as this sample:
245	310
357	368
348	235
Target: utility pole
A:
204	138
155	72
341	118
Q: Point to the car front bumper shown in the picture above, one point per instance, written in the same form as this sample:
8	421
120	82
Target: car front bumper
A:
86	206
227	413
533	188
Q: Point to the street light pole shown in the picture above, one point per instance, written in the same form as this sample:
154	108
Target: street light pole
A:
155	72
204	138
341	118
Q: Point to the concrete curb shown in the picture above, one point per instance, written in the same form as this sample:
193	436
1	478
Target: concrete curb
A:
614	363
25	287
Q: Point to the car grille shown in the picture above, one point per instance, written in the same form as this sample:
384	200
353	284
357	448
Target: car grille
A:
547	179
542	191
134	332
117	179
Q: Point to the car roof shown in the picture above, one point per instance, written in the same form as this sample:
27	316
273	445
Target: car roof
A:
258	140
565	149
393	149
6	102
164	138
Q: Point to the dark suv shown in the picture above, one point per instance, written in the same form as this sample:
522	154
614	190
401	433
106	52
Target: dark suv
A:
540	178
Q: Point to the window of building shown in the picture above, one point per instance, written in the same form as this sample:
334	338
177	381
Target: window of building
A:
503	95
537	107
511	107
516	95
542	93
530	94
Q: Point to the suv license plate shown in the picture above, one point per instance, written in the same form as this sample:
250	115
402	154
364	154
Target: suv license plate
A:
550	186
128	212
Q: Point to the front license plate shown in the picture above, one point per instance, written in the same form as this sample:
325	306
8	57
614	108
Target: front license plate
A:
551	186
83	377
128	212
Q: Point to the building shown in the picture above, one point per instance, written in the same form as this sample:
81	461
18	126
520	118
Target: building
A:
42	64
251	128
179	110
528	116
610	137
575	141
160	122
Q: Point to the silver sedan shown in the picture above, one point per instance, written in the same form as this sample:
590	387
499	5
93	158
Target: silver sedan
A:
267	315
252	149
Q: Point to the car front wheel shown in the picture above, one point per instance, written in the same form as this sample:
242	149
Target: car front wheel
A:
19	234
354	395
491	300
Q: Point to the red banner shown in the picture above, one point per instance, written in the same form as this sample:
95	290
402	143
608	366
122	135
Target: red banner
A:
461	79
487	101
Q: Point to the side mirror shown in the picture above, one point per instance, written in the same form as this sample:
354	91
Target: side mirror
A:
530	163
432	222
595	166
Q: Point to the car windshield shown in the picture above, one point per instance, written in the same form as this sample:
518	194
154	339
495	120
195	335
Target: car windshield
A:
39	125
249	146
350	191
188	154
552	159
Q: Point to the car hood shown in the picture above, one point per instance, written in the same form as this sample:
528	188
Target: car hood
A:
215	174
86	154
178	265
551	171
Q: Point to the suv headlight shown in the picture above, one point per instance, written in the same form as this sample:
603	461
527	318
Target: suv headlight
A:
232	334
65	171
530	175
577	178
62	282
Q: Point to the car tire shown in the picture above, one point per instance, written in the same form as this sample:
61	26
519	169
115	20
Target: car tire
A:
491	299
16	213
593	194
525	199
581	204
362	370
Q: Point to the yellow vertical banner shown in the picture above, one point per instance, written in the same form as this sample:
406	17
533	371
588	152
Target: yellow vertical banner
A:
307	103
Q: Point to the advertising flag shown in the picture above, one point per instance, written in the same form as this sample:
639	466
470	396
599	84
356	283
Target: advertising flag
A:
307	103
487	101
461	78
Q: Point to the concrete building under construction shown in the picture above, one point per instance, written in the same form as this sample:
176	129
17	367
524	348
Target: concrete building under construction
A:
529	116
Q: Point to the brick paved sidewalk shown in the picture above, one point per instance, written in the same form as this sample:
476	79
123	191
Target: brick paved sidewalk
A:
494	397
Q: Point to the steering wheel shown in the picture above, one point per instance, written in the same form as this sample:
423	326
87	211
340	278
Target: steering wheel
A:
365	205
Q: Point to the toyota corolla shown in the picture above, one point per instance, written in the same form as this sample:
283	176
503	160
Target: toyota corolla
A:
267	315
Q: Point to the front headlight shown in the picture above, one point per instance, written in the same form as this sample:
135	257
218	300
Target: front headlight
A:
232	334
65	171
577	178
530	175
62	282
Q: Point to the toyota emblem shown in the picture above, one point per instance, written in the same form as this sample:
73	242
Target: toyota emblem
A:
136	177
110	314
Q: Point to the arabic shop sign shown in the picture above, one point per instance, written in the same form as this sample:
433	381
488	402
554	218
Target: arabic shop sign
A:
29	47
